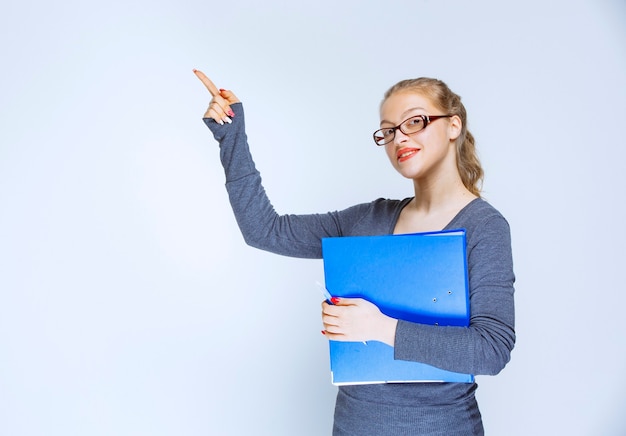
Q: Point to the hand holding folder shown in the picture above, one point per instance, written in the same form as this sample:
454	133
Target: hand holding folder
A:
356	319
419	278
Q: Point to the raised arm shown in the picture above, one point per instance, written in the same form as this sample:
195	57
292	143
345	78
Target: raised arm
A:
260	225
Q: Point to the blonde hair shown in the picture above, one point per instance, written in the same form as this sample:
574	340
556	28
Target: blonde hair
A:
441	96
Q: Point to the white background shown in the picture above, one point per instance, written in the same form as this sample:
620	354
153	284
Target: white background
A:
129	304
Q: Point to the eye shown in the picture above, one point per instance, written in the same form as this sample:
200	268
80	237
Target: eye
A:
414	122
387	132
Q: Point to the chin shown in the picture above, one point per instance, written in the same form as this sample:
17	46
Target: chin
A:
408	176
408	173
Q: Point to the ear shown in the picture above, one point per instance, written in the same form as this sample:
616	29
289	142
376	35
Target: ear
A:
455	127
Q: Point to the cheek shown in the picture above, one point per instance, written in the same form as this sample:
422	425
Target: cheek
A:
391	153
435	138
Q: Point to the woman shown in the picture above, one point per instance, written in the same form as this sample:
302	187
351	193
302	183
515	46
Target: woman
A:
423	129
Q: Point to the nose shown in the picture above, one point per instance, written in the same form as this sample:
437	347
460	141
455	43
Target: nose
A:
399	137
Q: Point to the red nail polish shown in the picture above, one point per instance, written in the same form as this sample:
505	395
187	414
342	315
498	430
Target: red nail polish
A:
334	300
323	332
231	113
222	90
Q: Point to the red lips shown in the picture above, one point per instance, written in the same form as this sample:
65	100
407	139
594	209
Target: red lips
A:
406	153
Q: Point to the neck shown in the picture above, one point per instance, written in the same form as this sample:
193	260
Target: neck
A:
437	195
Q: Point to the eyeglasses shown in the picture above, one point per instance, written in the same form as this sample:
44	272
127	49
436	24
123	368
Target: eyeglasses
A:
408	127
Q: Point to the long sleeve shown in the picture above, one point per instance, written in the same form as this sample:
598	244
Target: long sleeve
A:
261	226
485	346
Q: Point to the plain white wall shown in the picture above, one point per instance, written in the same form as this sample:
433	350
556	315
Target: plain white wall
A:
129	304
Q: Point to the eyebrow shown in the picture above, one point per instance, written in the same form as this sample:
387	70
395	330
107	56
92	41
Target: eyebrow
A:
404	114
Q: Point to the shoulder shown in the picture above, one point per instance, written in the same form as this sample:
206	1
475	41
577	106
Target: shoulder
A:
488	241
380	206
482	221
480	207
477	213
389	206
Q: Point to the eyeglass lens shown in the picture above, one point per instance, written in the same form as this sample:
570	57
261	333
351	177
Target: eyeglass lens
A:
408	127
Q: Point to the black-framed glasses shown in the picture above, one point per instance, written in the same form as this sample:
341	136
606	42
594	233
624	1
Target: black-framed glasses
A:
408	127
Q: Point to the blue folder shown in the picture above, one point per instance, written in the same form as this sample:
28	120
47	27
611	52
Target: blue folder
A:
419	277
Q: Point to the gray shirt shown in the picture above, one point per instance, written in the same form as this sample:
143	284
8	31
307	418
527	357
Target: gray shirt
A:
482	348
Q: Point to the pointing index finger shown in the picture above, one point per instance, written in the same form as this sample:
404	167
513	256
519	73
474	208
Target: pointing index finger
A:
207	82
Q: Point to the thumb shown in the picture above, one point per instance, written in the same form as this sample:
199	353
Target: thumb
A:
229	96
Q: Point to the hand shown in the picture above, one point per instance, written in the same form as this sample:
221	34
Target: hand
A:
357	320
219	108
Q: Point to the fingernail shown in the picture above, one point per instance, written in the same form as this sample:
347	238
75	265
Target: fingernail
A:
334	300
194	70
220	122
222	90
323	332
228	120
231	113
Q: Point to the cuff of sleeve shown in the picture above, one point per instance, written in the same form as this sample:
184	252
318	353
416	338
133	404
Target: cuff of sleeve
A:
408	339
221	130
